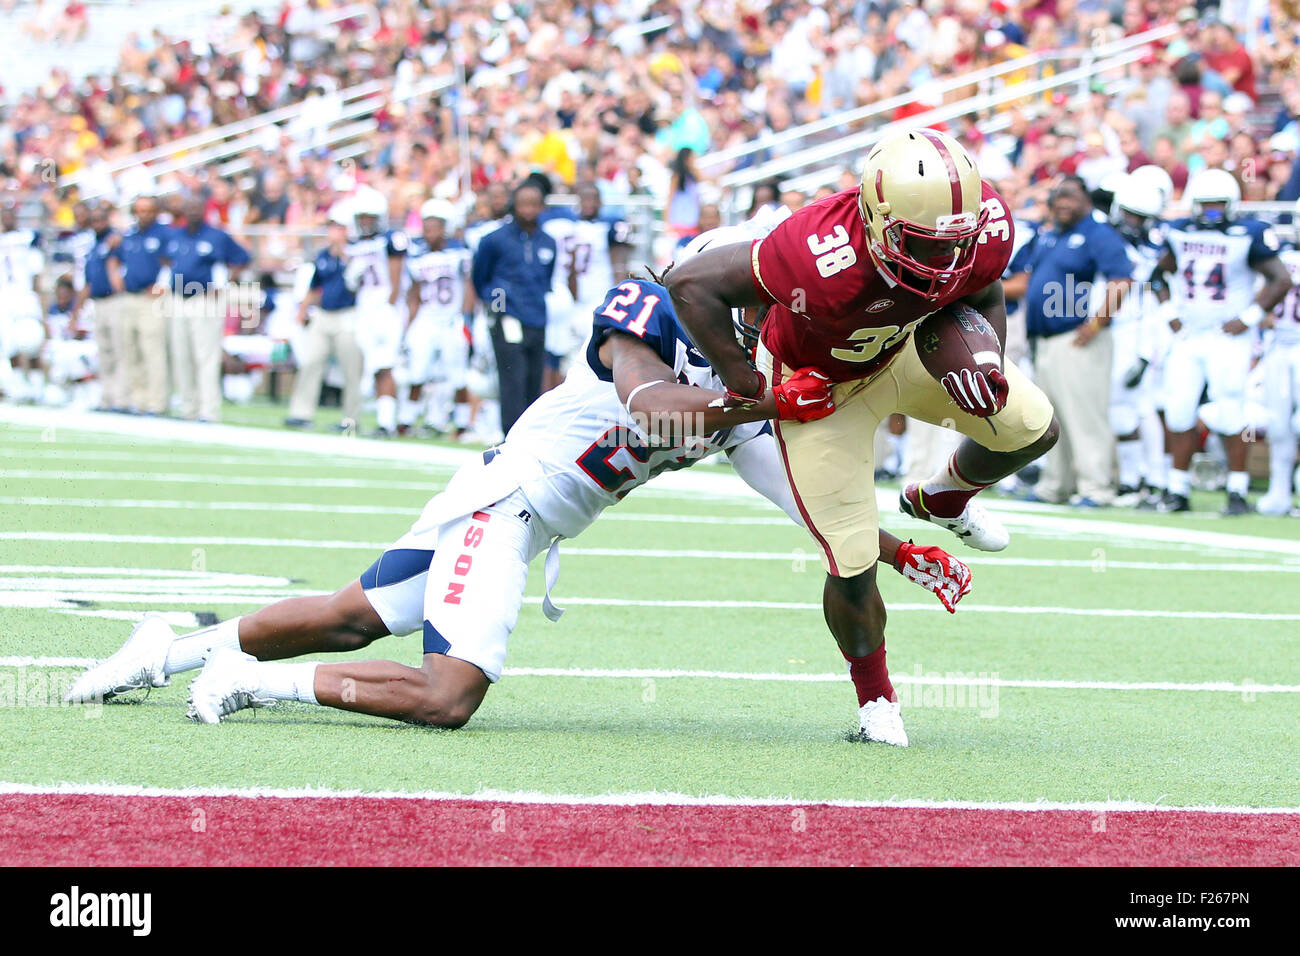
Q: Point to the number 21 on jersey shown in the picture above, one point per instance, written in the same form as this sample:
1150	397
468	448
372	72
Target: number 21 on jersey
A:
617	309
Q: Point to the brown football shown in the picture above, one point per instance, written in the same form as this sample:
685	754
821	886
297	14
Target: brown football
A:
957	337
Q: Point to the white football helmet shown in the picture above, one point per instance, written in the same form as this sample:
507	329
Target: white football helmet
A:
1152	176
368	201
438	209
1135	197
921	201
1213	185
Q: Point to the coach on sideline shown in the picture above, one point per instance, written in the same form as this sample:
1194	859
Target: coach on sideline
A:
199	255
144	319
1057	275
330	328
103	286
513	270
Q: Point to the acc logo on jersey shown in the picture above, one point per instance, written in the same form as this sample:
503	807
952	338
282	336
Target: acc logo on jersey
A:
880	305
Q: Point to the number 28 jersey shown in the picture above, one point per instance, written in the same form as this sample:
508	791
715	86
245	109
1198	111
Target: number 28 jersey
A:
591	451
832	308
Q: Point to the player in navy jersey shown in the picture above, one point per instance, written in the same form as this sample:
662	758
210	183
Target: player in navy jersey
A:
1211	261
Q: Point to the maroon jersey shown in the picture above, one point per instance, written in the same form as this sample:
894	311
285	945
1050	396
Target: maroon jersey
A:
831	308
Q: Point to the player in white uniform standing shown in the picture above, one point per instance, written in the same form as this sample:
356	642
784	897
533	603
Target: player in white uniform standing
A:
375	271
1138	343
459	574
22	331
440	300
1211	261
1282	386
592	251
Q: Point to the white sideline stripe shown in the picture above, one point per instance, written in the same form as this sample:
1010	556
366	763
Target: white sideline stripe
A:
922	680
222	577
294	460
91	537
215	479
646	798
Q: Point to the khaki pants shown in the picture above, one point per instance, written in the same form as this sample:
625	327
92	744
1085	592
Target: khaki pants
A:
830	464
109	345
328	333
145	350
1077	380
197	324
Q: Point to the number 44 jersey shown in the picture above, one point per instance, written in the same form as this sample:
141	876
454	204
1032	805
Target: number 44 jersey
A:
591	451
1214	281
832	309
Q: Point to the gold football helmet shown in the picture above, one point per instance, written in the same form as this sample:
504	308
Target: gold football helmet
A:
921	203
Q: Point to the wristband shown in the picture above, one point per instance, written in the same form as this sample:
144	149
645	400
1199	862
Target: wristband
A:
1253	315
735	399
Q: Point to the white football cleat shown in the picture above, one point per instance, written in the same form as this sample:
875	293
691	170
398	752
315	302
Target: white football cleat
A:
882	721
1270	505
228	682
975	525
139	664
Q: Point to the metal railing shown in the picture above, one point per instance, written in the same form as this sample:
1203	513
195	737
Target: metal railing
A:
822	157
982	77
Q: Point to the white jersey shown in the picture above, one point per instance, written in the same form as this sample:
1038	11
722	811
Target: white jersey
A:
21	261
584	250
591	451
474	234
1141	302
1287	316
442	276
1215	279
369	258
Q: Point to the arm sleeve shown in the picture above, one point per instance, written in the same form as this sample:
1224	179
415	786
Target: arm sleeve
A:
315	282
1111	256
484	262
236	255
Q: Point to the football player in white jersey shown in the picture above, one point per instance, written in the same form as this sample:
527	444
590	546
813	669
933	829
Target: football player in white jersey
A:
641	402
22	331
375	272
440	301
592	251
1211	261
1282	387
1139	338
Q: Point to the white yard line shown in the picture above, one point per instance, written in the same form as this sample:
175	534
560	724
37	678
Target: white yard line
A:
198	478
652	798
916	679
50	451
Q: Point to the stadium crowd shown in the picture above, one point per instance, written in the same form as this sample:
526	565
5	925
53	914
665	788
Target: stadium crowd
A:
629	97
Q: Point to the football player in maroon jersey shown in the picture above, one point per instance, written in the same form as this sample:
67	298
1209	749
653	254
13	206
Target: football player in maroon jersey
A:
846	280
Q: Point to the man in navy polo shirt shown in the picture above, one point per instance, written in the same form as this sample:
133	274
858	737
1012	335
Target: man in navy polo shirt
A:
200	256
513	270
329	314
1072	277
143	314
102	285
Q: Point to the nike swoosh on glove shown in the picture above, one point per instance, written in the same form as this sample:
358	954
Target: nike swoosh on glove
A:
976	393
804	397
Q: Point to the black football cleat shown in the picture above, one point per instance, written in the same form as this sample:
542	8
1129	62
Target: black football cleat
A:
1171	503
1237	505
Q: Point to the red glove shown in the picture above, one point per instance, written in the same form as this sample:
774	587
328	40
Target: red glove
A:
977	393
935	570
804	397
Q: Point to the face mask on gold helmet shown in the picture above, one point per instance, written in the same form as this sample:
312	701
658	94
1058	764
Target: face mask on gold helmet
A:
921	203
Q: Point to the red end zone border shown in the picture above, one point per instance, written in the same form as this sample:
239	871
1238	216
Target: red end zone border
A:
88	829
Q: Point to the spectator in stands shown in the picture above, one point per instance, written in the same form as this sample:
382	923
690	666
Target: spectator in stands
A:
1055	274
200	257
1225	55
512	271
328	316
683	213
141	254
